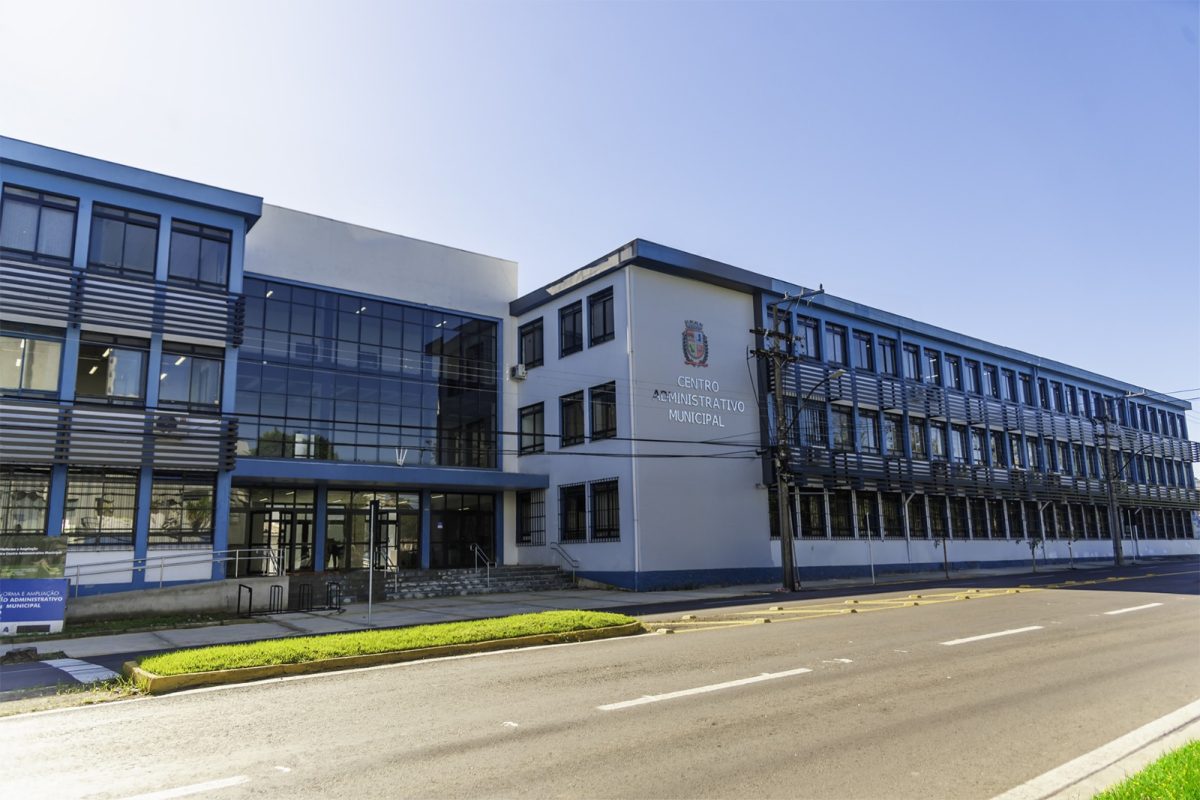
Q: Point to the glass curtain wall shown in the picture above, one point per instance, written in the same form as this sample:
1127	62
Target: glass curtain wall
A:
347	530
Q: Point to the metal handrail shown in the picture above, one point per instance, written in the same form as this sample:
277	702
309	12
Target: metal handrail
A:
557	549
73	574
480	553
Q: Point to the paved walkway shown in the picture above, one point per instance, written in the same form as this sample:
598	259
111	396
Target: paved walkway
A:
401	613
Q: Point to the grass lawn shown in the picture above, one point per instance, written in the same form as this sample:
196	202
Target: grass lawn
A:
337	645
1175	776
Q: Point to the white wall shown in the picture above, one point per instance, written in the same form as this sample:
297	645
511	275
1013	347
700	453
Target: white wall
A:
698	512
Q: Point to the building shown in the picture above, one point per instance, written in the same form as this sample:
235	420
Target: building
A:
910	447
195	384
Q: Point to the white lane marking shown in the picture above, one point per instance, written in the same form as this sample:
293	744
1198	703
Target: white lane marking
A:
1088	764
953	642
195	788
82	671
284	769
714	687
837	661
1133	608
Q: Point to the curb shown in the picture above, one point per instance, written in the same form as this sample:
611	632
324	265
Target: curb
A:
162	684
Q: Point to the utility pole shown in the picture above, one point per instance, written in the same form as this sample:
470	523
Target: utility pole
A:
781	357
1114	517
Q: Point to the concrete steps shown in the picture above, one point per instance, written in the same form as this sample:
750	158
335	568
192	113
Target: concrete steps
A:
413	584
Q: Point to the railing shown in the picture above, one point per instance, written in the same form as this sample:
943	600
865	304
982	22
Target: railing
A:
568	559
480	554
161	563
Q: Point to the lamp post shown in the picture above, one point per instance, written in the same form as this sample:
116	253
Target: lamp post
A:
1110	477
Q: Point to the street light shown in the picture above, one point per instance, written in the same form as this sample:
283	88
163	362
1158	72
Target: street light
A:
1114	519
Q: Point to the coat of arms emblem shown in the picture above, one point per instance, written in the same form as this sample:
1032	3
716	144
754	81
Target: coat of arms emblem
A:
695	344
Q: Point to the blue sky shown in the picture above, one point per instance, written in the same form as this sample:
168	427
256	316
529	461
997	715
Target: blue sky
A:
1023	172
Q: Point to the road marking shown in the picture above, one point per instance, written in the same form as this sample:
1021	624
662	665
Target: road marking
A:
1072	772
714	687
1133	608
195	788
953	642
82	671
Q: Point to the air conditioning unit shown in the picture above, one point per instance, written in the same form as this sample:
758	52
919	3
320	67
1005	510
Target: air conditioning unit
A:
518	372
167	424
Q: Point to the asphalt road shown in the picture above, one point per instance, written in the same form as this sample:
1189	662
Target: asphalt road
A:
897	700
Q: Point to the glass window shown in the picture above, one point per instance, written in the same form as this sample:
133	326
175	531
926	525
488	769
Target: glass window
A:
916	437
37	225
958	444
1010	385
188	378
28	364
571	412
893	436
997	452
835	344
978	454
1026	389
813	431
532	434
123	240
807	343
181	510
937	441
101	507
843	428
531	518
601	327
111	370
572	510
570	329
604	410
954	372
868	432
1043	393
531	344
974	378
912	362
887	357
864	351
1056	397
199	254
606	511
933	367
991	381
23	500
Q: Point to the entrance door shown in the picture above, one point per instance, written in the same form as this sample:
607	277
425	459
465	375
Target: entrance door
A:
289	533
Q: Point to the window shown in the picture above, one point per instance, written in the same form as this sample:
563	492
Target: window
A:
1017	450
808	344
23	501
868	516
868	432
570	329
1032	457
123	240
28	364
887	357
841	519
37	225
531	518
101	507
181	510
916	437
190	376
1026	389
813	431
933	367
997	451
1072	400
530	337
1064	457
571	419
991	377
606	511
978	454
917	529
1056	397
954	372
974	378
532	434
958	444
937	441
603	400
893	436
199	254
572	511
810	513
1043	393
600	318
912	362
835	344
843	429
112	369
864	352
1010	385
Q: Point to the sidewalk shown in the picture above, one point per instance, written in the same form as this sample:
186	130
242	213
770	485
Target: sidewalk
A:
403	613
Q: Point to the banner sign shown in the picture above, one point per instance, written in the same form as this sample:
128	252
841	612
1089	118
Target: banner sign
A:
33	591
